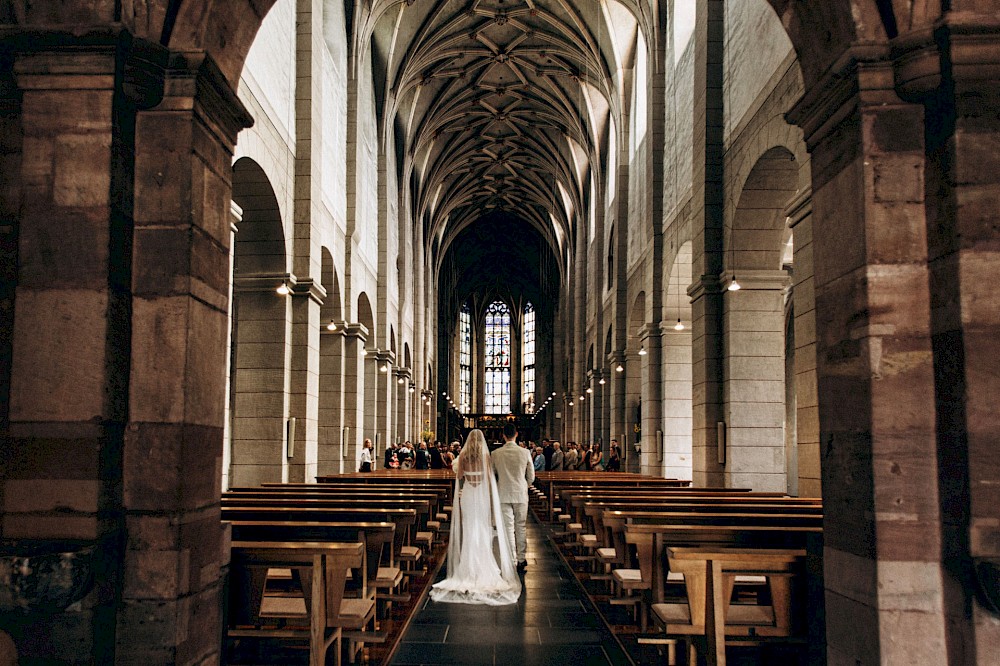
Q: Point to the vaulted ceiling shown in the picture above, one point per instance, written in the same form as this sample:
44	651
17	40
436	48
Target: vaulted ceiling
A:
500	106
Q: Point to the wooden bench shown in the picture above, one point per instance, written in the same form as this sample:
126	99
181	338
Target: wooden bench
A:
321	571
710	577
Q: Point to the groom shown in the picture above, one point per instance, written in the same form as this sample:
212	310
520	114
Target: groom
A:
514	472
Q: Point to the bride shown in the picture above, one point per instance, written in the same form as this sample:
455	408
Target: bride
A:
477	573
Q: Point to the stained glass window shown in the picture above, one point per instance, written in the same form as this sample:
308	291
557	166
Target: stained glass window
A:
497	358
465	359
528	358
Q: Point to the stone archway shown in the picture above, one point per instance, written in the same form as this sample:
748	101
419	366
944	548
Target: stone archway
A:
261	321
753	315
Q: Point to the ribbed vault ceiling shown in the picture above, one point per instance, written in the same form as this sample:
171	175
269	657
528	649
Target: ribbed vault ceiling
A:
499	106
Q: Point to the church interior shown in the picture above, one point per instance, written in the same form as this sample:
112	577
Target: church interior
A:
749	245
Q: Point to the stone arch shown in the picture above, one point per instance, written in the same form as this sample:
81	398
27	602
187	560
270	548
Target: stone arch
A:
758	226
754	325
365	316
260	330
332	308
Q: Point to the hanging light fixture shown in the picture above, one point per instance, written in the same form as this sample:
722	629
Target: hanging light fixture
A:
590	390
385	368
283	289
400	381
570	403
734	285
642	351
602	382
620	368
678	326
412	389
332	326
581	398
364	352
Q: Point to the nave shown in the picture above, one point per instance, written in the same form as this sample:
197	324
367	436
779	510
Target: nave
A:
622	569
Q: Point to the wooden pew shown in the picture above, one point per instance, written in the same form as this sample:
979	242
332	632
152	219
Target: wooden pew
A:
710	576
382	573
404	519
321	570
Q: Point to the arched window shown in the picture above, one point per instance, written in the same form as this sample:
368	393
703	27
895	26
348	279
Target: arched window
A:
528	358
465	359
497	358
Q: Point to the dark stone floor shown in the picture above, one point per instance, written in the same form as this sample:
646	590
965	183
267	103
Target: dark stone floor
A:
552	623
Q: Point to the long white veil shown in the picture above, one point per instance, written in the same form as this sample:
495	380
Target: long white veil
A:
479	572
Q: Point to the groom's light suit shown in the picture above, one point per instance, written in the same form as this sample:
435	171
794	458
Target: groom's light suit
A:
514	471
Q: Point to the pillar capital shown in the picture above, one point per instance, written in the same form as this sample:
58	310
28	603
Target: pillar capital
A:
705	285
650	330
309	288
757	280
194	75
264	282
355	330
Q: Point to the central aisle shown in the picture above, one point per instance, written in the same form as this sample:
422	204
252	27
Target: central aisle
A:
552	623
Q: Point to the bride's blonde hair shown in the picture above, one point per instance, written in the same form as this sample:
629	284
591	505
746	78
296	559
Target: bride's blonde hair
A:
471	457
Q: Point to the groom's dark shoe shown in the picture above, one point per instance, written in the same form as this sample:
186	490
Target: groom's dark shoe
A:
521	566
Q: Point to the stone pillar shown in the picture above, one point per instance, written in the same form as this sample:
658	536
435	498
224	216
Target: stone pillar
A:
371	401
260	384
754	385
677	459
875	368
355	362
401	427
651	456
330	416
596	401
706	381
307	297
616	379
227	414
72	205
385	399
806	397
171	606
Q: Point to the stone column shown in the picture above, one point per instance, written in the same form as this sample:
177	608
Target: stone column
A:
227	415
706	380
806	398
650	460
401	427
677	458
260	384
72	204
754	384
875	368
307	297
596	401
172	596
618	421
385	399
355	361
330	416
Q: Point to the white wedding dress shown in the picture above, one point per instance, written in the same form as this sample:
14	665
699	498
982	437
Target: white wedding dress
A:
478	573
